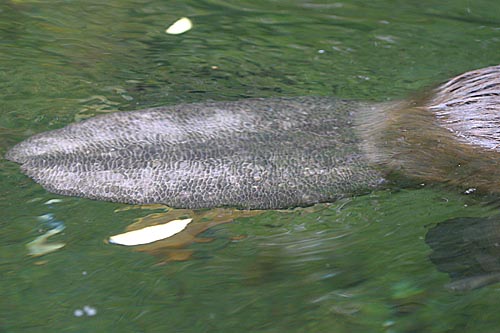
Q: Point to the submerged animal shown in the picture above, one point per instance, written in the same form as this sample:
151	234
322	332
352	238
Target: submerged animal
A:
275	153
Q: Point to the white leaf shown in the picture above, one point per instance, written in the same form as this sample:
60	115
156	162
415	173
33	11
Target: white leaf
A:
180	26
150	234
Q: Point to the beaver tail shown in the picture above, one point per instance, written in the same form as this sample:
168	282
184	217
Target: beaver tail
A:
275	153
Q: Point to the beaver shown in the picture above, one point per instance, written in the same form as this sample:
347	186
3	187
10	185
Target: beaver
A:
275	153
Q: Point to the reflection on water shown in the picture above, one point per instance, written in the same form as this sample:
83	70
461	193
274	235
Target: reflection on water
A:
468	249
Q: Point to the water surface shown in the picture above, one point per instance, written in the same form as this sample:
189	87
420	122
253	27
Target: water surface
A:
358	265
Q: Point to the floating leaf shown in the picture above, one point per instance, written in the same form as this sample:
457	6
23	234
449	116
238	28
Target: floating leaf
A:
173	248
180	26
150	234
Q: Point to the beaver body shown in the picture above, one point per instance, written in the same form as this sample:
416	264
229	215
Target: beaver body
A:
272	153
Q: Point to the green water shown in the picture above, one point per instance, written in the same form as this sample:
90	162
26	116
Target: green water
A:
359	265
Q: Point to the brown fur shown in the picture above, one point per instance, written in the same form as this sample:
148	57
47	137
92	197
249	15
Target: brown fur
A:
451	136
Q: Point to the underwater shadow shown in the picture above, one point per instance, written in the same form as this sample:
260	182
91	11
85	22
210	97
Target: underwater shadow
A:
468	249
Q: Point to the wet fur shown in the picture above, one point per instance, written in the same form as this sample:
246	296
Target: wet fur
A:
451	135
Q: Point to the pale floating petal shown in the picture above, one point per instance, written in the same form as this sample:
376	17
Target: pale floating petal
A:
39	247
150	234
180	26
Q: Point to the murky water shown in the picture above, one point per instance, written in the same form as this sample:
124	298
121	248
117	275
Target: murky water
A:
359	265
